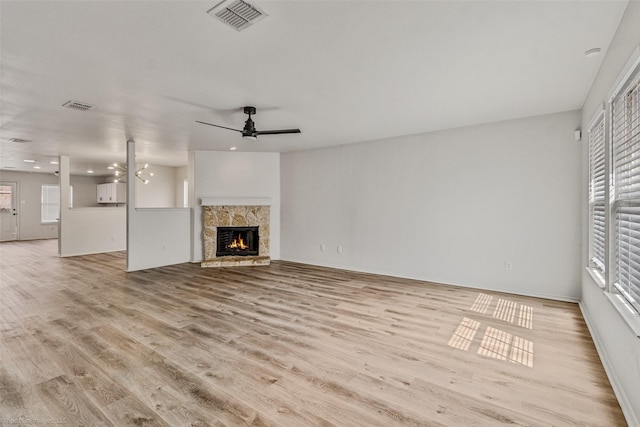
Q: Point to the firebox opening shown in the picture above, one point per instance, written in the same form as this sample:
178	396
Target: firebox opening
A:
237	241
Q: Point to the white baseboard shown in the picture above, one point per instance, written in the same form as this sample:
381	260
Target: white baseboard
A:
442	282
623	399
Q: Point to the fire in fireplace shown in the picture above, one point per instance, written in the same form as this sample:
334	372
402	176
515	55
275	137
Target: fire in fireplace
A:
237	241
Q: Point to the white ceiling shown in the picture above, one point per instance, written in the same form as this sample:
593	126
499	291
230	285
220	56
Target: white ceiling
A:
342	71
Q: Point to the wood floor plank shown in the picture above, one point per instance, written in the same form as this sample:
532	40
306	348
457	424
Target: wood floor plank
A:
283	345
70	402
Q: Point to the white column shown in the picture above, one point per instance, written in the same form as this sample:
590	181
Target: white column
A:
191	172
63	182
131	197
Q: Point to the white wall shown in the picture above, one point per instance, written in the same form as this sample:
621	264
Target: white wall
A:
617	344
181	176
158	237
92	230
29	204
85	190
234	174
85	231
448	206
160	191
29	200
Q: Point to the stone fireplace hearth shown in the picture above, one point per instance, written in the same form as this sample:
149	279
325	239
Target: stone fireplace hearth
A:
234	215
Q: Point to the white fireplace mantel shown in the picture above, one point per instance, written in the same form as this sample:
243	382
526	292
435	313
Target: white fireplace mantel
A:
235	201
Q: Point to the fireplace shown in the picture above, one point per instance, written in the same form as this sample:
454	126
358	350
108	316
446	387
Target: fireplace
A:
237	241
244	220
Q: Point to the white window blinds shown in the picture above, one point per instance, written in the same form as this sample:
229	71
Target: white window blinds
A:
50	203
626	163
597	194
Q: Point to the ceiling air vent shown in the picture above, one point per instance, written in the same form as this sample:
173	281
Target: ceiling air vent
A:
19	140
239	14
81	106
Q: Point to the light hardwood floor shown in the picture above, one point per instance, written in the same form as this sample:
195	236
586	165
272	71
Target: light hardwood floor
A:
84	343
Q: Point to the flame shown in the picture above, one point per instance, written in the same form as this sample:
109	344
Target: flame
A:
238	243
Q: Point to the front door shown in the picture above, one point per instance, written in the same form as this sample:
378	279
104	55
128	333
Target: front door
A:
8	211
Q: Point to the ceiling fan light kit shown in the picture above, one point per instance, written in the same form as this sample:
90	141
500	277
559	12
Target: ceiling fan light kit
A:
249	131
121	172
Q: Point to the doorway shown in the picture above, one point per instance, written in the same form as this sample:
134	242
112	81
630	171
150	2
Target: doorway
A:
8	211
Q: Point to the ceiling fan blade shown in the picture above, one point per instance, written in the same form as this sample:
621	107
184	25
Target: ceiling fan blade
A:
218	126
277	132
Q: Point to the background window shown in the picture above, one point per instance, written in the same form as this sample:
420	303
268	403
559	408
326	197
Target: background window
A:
625	111
50	202
6	198
597	195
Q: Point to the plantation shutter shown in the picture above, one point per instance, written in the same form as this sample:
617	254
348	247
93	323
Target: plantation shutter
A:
626	163
597	194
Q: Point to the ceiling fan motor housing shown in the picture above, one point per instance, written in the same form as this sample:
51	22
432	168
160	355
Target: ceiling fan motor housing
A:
249	131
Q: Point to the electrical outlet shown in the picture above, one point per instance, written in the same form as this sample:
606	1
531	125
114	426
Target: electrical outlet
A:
323	247
339	249
508	265
164	247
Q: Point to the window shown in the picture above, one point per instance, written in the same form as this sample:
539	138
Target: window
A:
50	202
6	198
185	194
625	146
597	195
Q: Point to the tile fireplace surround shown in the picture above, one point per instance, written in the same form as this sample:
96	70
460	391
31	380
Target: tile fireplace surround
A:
232	212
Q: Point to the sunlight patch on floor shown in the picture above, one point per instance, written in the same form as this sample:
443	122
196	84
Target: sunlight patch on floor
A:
502	345
525	319
482	303
522	352
505	310
495	343
463	335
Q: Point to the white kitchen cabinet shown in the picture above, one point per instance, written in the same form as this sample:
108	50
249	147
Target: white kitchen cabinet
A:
113	192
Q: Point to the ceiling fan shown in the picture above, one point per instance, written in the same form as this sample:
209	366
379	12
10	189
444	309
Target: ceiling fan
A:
249	131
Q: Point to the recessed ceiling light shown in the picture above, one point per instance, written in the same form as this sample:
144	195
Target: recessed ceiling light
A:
54	162
36	167
592	52
29	161
89	171
233	148
110	167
